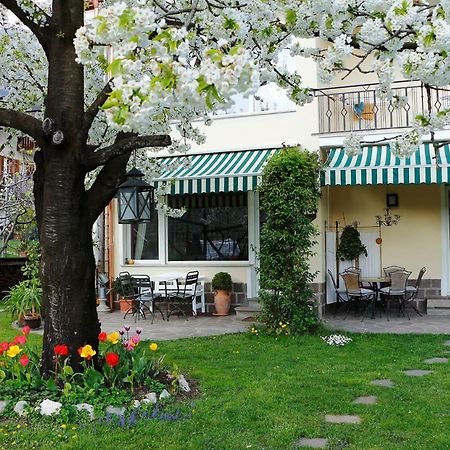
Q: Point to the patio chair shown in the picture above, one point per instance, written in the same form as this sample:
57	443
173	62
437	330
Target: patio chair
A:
412	291
387	270
145	297
184	296
356	294
341	293
396	290
136	298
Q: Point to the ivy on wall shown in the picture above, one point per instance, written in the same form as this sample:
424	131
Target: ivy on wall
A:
289	195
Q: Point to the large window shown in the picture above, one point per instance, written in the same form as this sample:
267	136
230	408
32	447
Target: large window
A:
213	228
144	239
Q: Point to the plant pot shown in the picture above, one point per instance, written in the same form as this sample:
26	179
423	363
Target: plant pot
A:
125	304
222	302
33	321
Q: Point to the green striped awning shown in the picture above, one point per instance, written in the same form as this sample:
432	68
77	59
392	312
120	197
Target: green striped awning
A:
377	165
214	172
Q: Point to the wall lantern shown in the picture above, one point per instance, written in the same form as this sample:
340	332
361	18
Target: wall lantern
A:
135	198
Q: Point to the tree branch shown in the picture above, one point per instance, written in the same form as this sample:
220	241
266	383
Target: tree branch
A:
36	29
22	122
125	143
94	108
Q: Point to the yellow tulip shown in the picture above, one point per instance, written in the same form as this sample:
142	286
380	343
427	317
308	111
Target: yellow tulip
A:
87	352
153	346
13	351
114	337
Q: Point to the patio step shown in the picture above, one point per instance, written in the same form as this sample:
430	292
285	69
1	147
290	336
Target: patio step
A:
250	310
438	307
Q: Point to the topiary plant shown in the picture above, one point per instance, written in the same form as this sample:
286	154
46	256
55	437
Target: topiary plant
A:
222	282
350	245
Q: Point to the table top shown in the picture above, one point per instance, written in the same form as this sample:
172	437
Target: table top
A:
172	276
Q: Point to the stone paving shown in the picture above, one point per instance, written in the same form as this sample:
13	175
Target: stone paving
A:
330	418
384	383
417	372
176	327
312	443
436	361
395	325
369	400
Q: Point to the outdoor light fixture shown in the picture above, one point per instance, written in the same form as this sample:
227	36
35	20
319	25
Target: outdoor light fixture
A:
136	198
387	220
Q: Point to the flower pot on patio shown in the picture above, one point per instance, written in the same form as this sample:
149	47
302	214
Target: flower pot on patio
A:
125	304
222	284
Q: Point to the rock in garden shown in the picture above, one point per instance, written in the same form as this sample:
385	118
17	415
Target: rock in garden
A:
86	407
20	406
49	407
436	361
164	394
184	385
3	405
117	410
149	398
312	443
136	404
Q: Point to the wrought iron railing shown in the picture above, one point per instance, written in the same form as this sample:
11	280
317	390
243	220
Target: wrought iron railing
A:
360	107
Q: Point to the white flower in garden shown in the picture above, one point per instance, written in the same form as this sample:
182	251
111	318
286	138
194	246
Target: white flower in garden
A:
336	340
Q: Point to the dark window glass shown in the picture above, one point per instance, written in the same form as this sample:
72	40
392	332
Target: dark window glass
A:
144	239
214	228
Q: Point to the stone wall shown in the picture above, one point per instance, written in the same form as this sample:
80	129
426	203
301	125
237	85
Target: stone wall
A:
238	296
320	293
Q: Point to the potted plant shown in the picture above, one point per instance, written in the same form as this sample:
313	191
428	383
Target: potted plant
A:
350	245
221	285
124	303
24	302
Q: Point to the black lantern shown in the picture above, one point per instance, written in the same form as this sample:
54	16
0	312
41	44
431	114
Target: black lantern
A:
136	198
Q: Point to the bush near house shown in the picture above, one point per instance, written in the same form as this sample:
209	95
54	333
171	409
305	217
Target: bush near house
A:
289	197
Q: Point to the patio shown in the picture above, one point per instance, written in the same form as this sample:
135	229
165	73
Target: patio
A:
176	327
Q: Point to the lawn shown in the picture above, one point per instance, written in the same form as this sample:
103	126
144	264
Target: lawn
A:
266	393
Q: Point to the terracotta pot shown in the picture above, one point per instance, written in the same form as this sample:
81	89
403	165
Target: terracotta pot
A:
125	304
222	302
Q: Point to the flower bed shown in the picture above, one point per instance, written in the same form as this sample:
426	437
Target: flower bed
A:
127	374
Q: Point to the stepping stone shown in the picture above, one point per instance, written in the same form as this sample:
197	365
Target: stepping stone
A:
385	383
342	419
369	400
436	360
447	343
417	372
312	443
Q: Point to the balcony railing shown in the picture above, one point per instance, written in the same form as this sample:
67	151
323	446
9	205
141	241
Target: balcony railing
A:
360	107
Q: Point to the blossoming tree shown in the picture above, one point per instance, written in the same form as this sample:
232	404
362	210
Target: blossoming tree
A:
141	71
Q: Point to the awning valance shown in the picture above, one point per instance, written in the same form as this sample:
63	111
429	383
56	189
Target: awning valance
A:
215	172
377	165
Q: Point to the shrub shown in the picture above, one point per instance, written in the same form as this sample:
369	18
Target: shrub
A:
289	195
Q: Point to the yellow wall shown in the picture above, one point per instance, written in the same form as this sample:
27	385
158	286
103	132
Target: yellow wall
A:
415	241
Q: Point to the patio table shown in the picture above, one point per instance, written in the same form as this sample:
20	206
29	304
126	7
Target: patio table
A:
168	277
375	283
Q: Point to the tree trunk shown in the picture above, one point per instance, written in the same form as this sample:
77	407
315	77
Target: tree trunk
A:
67	262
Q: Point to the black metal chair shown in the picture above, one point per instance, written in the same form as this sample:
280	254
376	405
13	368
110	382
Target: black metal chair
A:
356	294
341	293
146	297
413	291
397	290
184	296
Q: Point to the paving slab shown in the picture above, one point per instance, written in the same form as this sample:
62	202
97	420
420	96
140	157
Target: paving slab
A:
330	418
436	361
369	400
385	383
312	443
447	343
417	372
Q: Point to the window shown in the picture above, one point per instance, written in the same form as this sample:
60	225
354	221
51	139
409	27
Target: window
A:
144	239
213	228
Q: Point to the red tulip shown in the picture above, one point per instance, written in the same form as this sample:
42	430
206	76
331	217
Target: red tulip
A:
24	360
61	350
102	336
26	329
112	359
20	339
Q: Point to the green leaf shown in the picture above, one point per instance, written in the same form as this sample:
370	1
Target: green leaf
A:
291	17
115	67
68	370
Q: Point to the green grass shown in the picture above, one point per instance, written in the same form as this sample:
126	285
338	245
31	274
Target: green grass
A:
262	393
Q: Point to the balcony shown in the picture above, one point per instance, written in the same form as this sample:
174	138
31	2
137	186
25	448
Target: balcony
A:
360	108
